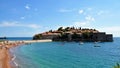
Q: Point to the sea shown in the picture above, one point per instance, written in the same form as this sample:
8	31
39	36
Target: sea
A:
18	38
67	54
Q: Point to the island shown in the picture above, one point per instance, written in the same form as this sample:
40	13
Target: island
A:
3	38
75	34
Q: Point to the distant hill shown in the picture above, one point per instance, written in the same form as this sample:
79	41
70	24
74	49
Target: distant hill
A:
75	34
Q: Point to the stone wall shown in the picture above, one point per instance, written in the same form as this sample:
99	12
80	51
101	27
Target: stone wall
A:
109	37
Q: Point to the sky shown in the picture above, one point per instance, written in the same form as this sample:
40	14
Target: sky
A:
25	18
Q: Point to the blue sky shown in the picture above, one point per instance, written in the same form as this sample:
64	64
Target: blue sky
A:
24	18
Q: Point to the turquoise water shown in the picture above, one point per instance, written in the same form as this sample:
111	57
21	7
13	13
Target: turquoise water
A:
18	38
68	55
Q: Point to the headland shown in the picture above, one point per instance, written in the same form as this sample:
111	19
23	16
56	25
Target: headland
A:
75	34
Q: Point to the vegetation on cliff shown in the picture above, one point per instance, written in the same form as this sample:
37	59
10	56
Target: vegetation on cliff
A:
62	32
74	34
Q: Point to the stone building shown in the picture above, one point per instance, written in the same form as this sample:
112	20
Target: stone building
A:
102	36
109	37
49	35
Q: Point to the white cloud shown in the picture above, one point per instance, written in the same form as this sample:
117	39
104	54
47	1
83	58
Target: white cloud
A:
89	18
7	24
100	12
103	12
89	9
22	17
33	26
27	7
115	30
78	24
66	10
86	23
81	11
18	24
85	11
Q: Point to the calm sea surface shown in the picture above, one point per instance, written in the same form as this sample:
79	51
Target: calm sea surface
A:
19	38
68	55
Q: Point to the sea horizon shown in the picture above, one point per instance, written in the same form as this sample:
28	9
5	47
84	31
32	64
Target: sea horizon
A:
18	38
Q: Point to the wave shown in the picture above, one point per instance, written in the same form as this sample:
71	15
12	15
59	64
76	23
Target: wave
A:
13	61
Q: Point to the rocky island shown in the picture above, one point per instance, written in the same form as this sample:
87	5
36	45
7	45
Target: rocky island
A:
75	34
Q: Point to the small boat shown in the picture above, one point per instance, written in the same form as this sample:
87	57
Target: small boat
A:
96	46
95	42
81	43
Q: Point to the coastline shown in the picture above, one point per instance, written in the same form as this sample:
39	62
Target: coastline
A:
6	57
34	41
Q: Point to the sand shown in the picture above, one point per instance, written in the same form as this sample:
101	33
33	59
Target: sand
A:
5	56
33	41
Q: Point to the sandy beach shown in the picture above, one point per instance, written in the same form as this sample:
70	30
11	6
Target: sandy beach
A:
33	41
5	56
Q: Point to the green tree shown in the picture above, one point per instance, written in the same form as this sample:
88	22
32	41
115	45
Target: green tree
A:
67	28
80	28
73	27
50	30
74	36
60	29
86	35
36	37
